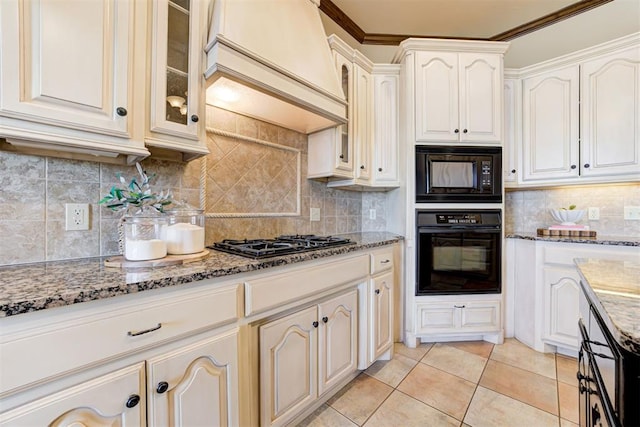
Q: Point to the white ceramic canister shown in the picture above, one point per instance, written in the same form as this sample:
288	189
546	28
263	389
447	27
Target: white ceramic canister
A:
185	233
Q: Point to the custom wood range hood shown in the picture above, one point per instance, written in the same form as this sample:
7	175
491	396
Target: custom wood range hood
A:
271	61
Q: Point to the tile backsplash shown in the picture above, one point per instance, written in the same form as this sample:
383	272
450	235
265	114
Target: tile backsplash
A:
34	190
528	210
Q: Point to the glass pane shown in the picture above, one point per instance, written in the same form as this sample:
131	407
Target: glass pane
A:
345	82
344	129
177	85
182	3
345	144
452	174
178	39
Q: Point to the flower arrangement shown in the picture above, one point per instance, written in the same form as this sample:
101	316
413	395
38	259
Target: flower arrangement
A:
137	195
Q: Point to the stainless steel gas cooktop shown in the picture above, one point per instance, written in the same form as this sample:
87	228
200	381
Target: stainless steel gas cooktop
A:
281	245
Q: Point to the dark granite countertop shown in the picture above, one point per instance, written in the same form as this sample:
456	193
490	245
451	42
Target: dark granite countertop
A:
32	287
614	289
599	240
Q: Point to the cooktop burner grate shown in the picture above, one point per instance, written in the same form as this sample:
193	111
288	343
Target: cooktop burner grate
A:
281	245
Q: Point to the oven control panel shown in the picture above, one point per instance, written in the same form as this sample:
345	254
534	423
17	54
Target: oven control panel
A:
485	176
459	219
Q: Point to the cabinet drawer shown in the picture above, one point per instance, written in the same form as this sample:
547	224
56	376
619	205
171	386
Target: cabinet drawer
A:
381	260
273	291
69	343
564	253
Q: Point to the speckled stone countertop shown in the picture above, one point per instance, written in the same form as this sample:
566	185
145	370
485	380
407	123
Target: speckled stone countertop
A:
32	287
614	289
599	240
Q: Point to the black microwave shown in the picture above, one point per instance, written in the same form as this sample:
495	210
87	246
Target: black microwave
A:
458	174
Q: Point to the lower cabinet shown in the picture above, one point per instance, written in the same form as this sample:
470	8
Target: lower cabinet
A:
114	399
304	354
382	315
561	292
459	317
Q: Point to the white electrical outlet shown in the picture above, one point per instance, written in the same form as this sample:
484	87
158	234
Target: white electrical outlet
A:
76	216
594	214
372	214
632	213
315	214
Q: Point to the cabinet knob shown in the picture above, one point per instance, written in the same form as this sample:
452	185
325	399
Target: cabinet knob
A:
132	401
457	131
587	165
342	156
377	291
121	111
587	390
162	387
465	131
573	166
361	166
458	306
379	169
580	376
325	319
315	324
195	118
513	171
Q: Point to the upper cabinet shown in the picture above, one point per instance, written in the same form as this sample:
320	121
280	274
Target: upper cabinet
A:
579	118
458	97
68	76
102	78
362	154
511	125
178	34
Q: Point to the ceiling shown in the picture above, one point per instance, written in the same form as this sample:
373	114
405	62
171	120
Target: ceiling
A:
538	29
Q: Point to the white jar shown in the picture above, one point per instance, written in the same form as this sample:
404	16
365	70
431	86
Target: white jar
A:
144	237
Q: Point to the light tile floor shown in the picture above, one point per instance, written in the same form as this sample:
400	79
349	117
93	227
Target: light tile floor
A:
464	384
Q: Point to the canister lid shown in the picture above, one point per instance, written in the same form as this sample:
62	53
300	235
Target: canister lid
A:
182	208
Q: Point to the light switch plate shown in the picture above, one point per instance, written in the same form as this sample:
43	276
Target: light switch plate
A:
632	213
594	214
315	214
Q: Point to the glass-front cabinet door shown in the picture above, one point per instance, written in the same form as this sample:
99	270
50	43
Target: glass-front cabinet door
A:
176	67
344	145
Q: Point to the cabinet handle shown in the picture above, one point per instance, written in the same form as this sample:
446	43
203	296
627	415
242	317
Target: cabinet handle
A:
146	331
121	111
573	166
162	387
132	401
195	118
513	171
385	261
379	169
464	131
587	165
581	377
458	306
377	291
457	131
315	324
325	319
588	390
361	166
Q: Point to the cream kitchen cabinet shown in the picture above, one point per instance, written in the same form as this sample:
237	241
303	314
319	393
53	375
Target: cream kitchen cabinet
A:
610	120
550	145
363	154
543	289
69	76
580	117
304	354
144	360
176	86
458	97
512	136
460	317
116	398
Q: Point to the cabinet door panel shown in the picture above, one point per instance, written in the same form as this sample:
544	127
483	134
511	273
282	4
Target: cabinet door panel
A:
344	136
550	125
481	316
96	403
562	291
385	167
337	348
611	114
511	126
201	384
436	77
480	97
382	312
363	82
72	66
288	366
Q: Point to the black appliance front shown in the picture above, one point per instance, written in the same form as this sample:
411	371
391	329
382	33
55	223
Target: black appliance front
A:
458	252
458	174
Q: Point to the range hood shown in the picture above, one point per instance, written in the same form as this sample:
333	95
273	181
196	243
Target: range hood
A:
270	60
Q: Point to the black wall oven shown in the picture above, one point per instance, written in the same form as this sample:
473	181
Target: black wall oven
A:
458	174
458	251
